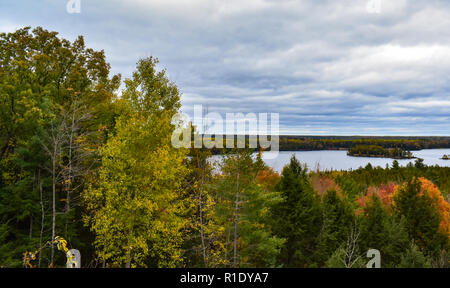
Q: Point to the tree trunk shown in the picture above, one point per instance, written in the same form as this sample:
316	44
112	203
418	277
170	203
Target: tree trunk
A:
128	261
200	207
69	184
52	249
42	215
236	215
31	227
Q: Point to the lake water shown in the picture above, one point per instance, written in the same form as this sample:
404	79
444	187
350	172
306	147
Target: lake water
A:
339	160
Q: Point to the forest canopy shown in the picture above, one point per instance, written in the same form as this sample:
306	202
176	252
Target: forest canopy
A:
81	167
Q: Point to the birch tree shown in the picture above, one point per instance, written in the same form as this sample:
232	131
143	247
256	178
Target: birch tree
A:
137	206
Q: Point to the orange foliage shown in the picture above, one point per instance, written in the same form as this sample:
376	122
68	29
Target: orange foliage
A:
384	192
442	206
323	184
268	178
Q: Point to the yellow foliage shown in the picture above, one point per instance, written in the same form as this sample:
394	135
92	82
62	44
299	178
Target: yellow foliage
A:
442	206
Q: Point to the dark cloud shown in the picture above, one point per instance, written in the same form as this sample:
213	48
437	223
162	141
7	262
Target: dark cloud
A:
328	67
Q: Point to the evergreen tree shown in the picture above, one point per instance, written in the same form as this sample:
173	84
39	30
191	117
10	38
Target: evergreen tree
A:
49	90
422	217
298	217
383	232
338	219
414	258
244	207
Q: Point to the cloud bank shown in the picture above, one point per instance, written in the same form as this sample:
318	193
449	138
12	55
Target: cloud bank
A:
327	67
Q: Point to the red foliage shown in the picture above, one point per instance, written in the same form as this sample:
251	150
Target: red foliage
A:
323	184
384	192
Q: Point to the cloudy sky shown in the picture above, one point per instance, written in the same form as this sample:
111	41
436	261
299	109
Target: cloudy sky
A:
327	67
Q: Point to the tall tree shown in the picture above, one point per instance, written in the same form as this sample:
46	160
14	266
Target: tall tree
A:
204	246
298	216
381	231
338	218
137	207
420	208
244	209
40	74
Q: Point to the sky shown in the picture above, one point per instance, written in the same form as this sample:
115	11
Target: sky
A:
349	67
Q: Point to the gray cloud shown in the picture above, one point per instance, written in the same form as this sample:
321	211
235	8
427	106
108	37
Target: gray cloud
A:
328	67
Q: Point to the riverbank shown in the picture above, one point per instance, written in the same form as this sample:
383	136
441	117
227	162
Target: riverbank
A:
339	160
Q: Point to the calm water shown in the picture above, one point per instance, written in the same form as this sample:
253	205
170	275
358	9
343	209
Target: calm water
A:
338	160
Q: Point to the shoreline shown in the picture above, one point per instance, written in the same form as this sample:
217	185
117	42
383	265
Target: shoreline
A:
382	156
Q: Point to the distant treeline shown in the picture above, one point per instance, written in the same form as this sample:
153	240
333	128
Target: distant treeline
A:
295	143
401	143
378	151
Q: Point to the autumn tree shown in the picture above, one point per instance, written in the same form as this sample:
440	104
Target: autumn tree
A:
382	231
426	214
137	207
204	245
49	88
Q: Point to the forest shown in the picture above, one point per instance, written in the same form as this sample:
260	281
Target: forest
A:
297	143
389	146
86	162
378	151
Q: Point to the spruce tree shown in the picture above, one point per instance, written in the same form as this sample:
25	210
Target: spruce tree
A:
298	217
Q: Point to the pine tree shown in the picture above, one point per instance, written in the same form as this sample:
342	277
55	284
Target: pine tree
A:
383	232
244	209
414	258
338	219
422	217
298	217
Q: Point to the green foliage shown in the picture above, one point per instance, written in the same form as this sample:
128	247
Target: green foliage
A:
71	148
378	151
338	260
338	218
295	143
137	203
49	88
363	178
414	258
244	210
422	219
383	232
298	217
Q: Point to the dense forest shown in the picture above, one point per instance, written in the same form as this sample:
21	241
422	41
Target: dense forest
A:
82	167
296	143
390	146
378	151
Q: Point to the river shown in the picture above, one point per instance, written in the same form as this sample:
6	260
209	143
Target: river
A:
339	160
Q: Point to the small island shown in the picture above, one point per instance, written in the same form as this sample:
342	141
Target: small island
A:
446	157
379	151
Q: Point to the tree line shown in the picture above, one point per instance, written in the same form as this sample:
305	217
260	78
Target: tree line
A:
378	151
297	143
81	163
